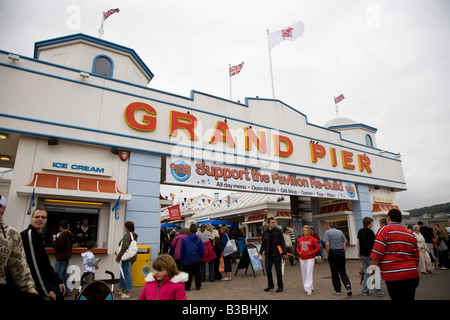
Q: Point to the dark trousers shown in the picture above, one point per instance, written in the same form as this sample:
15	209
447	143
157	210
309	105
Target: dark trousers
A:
443	259
336	259
193	270
274	260
210	270
402	289
227	263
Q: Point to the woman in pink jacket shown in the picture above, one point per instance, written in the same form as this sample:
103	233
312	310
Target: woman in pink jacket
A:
307	248
176	244
166	282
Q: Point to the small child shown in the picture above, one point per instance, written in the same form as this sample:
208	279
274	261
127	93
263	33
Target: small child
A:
90	262
166	282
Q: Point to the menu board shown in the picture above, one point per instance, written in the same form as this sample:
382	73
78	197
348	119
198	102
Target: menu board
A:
250	257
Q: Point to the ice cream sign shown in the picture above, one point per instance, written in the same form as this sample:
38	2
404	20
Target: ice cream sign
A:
76	167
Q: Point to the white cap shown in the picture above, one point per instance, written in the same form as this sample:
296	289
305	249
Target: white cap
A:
2	201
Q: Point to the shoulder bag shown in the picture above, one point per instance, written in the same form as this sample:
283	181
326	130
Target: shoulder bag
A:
131	251
442	247
230	247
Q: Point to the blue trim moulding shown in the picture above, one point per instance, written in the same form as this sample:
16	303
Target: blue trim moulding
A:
191	98
355	125
80	36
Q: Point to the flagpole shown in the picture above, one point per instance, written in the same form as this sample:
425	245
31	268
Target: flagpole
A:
337	109
229	76
270	63
101	31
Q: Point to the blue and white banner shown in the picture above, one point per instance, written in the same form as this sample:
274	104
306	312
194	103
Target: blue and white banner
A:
234	178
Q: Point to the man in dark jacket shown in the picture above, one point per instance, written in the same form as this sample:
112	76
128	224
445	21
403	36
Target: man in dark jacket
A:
191	252
47	281
63	244
272	240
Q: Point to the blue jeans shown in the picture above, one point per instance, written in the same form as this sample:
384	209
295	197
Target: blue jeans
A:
366	263
61	270
125	281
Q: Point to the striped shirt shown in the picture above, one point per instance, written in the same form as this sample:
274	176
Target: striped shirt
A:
292	234
396	249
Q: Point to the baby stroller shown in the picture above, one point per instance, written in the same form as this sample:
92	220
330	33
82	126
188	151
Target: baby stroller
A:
96	290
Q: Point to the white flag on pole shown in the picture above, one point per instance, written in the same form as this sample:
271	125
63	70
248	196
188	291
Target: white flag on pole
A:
291	33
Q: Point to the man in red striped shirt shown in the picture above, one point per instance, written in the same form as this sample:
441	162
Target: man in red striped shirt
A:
395	251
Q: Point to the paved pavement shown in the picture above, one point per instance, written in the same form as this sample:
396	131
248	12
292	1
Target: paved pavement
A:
244	286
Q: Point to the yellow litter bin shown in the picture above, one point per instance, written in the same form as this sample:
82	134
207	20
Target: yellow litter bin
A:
141	267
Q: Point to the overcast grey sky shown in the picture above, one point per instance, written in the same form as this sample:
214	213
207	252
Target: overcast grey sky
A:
389	58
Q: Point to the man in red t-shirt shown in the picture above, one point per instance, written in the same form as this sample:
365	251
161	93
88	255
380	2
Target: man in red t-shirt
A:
395	251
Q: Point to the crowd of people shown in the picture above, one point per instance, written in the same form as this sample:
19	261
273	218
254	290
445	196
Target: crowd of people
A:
401	254
395	254
25	268
200	252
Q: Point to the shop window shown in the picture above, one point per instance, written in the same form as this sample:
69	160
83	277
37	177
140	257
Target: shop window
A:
369	141
103	66
283	223
341	224
254	230
97	218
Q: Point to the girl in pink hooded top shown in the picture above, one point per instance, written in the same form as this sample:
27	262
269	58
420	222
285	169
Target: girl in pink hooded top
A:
166	282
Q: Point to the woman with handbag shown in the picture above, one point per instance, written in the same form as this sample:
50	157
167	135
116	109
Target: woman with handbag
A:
126	256
443	247
228	246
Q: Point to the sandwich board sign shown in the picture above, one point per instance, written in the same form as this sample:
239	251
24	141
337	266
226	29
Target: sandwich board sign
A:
250	257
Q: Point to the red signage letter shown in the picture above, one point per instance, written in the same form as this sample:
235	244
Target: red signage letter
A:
250	136
148	122
364	163
347	159
277	139
317	151
179	120
222	133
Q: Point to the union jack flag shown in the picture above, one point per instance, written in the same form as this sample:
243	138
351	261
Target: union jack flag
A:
338	99
235	69
110	12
